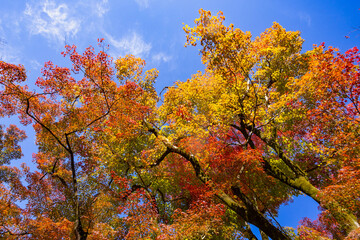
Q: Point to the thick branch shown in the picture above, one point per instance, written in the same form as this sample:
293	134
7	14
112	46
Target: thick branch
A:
276	147
250	215
161	158
347	221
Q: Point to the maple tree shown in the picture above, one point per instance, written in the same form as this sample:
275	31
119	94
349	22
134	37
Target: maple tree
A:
262	123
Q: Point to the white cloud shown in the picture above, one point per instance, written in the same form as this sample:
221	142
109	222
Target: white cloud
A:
131	44
35	64
304	17
161	57
51	20
8	53
90	8
143	3
101	7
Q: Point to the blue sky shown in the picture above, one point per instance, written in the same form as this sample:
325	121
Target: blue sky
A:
35	31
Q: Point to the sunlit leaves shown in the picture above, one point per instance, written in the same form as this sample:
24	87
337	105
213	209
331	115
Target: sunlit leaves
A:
262	123
301	107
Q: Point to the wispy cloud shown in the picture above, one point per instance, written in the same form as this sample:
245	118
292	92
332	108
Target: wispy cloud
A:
143	3
99	8
88	9
51	20
35	64
304	17
8	53
131	44
161	57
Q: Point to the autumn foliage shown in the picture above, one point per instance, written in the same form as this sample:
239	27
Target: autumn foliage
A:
264	122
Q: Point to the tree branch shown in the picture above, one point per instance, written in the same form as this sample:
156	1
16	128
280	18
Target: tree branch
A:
250	215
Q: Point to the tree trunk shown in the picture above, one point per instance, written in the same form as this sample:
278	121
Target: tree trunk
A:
249	213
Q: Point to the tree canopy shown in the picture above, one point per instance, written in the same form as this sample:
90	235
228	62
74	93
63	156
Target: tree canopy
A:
264	122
